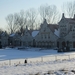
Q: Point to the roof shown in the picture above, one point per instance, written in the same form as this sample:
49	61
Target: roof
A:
11	35
53	27
69	20
56	32
34	33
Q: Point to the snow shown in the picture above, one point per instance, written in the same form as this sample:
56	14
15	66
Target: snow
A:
34	33
42	63
56	32
27	53
11	35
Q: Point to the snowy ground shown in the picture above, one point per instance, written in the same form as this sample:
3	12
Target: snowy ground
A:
57	67
11	53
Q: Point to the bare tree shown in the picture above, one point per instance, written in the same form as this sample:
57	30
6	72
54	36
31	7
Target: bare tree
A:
52	14
31	17
49	12
43	11
1	30
69	9
12	21
22	21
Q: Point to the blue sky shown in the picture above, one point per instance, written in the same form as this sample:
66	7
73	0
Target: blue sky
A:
13	6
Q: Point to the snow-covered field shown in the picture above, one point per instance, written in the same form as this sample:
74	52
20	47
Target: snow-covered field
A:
10	53
46	66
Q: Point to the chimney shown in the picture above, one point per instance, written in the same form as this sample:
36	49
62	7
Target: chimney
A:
26	27
63	16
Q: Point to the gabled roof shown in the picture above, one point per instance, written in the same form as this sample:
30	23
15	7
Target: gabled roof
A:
68	20
56	32
12	35
53	27
3	34
34	33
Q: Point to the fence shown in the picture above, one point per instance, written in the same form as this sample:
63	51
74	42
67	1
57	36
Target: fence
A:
38	59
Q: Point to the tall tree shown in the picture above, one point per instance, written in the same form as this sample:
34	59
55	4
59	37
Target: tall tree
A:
69	9
22	18
12	21
31	17
22	21
52	14
43	11
49	12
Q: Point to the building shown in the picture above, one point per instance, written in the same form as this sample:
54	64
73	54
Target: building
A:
14	40
66	32
4	39
26	38
45	36
58	35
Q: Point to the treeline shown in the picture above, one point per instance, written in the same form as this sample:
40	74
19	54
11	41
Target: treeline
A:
33	18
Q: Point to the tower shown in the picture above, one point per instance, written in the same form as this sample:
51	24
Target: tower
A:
63	26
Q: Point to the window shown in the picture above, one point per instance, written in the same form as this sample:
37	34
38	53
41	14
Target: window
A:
48	36
26	35
65	28
45	36
73	29
41	36
44	30
73	35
